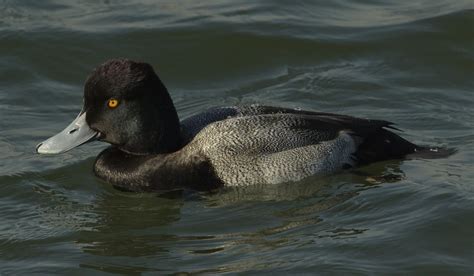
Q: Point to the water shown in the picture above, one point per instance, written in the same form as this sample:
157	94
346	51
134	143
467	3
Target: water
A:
410	62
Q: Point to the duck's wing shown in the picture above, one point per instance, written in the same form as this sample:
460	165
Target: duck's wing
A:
285	130
377	141
194	124
276	147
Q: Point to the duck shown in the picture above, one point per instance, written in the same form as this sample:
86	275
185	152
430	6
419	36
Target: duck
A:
127	105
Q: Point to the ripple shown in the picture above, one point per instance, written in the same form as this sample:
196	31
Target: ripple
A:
410	63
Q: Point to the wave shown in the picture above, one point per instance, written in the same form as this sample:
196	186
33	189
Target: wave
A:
302	17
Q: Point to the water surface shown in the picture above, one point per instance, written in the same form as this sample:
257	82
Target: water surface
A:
409	62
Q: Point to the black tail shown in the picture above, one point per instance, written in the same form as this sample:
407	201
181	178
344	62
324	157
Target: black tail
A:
386	145
431	152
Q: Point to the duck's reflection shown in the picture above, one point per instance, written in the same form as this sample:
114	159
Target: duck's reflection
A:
129	224
143	225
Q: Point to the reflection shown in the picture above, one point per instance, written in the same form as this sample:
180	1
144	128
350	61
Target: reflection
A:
382	172
120	232
100	220
300	207
129	224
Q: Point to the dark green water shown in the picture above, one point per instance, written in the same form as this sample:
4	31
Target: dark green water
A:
410	62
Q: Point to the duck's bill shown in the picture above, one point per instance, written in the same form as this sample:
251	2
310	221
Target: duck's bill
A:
74	135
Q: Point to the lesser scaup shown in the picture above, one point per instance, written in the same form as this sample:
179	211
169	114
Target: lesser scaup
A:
127	105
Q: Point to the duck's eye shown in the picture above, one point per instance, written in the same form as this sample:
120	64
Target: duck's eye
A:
113	103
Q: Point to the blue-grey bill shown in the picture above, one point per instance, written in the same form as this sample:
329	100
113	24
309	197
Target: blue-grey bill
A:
75	134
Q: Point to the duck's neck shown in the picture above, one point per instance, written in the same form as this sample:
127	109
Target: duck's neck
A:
128	171
169	133
166	138
158	131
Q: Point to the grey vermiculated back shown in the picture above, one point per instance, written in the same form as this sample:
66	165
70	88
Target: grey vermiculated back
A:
254	148
192	125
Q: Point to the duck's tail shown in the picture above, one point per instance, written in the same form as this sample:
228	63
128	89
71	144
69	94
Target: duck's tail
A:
385	145
426	152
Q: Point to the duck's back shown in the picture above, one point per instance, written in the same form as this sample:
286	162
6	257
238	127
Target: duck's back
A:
260	144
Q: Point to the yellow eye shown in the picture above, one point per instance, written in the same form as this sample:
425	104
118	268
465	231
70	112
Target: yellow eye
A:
113	103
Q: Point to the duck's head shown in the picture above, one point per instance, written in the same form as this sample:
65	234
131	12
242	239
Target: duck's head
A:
126	105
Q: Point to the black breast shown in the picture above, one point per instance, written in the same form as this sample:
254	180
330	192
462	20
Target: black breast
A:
158	172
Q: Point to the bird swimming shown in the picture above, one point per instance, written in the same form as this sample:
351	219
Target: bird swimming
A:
127	105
